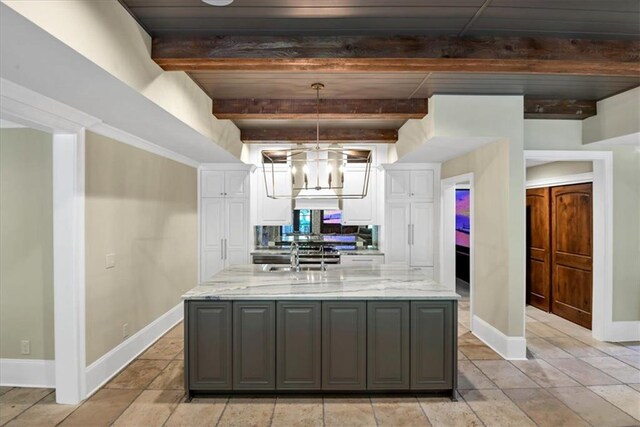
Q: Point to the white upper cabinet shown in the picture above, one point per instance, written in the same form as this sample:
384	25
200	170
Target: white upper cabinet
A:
273	211
360	211
414	184
224	183
398	185
421	184
212	183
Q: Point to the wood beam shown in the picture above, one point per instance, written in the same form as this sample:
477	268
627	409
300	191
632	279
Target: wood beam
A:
536	108
175	52
235	109
308	135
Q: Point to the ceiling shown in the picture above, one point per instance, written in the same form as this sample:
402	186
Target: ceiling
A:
589	19
549	18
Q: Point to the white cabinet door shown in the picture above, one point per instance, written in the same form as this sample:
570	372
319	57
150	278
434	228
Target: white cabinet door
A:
421	186
212	183
211	237
274	211
237	240
359	211
236	184
397	245
397	183
421	234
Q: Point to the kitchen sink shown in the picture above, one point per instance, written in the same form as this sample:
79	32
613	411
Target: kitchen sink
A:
286	268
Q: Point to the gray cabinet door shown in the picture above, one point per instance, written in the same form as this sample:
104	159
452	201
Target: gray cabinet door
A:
432	345
388	345
298	346
208	345
254	362
344	342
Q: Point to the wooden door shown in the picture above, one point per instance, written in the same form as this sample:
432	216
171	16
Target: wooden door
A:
538	248
572	252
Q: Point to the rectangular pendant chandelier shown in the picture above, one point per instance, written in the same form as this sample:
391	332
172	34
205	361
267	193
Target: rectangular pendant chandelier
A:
316	173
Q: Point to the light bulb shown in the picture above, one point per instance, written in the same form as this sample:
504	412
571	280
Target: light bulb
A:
218	2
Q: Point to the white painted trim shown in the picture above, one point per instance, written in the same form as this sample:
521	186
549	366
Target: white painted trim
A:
227	167
134	141
103	369
510	348
621	331
27	373
69	266
578	178
602	324
447	273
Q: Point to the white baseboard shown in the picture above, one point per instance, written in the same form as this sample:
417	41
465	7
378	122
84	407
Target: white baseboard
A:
103	369
27	373
510	348
624	331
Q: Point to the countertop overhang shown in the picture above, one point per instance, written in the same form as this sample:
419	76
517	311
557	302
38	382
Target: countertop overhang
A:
383	282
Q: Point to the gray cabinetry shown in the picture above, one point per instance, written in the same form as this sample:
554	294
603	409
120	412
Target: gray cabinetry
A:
344	343
388	345
298	346
432	350
254	328
208	345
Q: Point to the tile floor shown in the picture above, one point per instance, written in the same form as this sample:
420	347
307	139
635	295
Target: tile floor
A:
569	379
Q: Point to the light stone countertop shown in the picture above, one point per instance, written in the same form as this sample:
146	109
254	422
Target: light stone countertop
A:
253	282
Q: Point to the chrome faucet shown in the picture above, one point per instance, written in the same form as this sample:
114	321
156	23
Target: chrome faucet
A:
295	257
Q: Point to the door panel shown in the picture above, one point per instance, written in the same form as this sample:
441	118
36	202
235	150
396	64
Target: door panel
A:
398	233
212	183
432	345
209	345
538	248
344	345
254	352
571	251
421	184
359	211
212	236
273	211
298	346
236	184
236	250
388	345
421	234
398	185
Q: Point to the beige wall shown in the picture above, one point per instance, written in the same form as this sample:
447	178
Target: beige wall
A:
142	208
567	135
556	169
26	243
490	166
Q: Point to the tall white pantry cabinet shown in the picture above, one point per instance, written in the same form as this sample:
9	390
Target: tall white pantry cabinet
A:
410	215
224	218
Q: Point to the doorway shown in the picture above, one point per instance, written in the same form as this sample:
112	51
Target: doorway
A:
603	327
559	240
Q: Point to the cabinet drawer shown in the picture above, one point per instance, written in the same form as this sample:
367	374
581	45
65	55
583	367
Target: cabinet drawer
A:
362	259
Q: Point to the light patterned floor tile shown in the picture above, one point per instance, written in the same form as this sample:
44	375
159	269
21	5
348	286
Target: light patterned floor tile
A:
543	408
544	374
574	347
101	409
470	377
621	396
591	407
248	411
615	368
545	350
151	408
398	411
298	412
504	374
343	412
45	413
495	408
197	413
583	372
443	412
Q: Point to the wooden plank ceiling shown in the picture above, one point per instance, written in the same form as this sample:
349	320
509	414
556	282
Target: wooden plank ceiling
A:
380	61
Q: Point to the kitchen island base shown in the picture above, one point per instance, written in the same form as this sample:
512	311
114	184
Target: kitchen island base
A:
323	346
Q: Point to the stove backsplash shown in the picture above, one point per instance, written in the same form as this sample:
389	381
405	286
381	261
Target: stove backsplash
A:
347	238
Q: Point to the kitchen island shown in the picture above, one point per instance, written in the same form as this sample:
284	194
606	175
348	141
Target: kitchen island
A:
264	328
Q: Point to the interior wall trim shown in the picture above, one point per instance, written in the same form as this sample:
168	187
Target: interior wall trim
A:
622	331
510	348
134	141
578	178
105	368
27	373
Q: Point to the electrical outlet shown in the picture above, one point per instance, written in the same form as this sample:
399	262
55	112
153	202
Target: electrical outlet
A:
25	347
110	261
125	330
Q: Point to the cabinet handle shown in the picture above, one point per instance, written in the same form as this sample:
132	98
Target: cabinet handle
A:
221	248
413	234
361	260
408	234
225	248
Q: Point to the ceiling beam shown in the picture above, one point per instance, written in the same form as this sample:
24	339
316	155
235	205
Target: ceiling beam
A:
535	108
175	52
308	135
338	109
